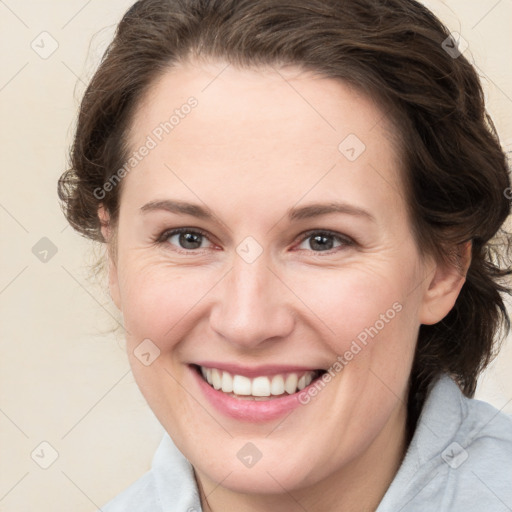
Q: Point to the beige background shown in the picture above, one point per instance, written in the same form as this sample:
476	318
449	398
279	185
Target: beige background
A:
63	381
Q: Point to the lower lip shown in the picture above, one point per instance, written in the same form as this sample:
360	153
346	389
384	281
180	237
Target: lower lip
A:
254	411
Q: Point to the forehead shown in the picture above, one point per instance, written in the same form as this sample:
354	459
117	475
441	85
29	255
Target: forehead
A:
279	132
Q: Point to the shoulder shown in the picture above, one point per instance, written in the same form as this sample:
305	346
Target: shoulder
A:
460	458
141	496
169	485
487	429
480	432
479	459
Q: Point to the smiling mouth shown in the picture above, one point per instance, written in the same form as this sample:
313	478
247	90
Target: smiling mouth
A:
265	387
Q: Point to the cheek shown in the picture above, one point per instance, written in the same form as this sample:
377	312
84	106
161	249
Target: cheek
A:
350	303
156	299
353	302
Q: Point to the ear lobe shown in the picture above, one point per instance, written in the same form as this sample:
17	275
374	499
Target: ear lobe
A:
113	279
445	284
104	217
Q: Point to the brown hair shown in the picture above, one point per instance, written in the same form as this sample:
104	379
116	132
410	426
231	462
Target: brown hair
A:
394	50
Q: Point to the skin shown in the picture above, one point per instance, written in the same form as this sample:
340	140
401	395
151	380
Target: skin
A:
260	142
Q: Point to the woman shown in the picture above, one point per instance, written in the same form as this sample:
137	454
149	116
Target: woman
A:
300	200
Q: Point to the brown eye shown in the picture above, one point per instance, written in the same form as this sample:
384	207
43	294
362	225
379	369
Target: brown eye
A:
320	241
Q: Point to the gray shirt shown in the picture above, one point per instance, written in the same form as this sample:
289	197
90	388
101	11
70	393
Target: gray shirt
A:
459	460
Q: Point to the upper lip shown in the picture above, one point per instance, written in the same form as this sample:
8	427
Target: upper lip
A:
255	371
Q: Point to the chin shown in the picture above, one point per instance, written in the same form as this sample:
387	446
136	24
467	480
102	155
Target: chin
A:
274	473
265	480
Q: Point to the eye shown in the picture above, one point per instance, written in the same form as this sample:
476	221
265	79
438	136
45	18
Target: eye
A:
184	238
192	239
322	241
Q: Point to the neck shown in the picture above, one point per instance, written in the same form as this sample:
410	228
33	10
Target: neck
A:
360	485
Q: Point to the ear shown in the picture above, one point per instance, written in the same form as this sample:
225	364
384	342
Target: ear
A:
113	278
444	284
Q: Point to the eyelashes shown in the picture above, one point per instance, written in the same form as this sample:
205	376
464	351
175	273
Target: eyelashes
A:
183	236
319	237
190	240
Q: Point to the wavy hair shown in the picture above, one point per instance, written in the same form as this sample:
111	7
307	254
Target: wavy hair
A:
396	51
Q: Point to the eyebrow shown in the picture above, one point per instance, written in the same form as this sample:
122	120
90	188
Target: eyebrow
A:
318	209
303	212
180	207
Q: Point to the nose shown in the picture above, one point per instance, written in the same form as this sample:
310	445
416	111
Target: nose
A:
253	305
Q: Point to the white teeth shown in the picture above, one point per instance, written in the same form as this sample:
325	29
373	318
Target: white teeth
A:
259	387
227	382
290	384
216	378
277	386
241	385
302	383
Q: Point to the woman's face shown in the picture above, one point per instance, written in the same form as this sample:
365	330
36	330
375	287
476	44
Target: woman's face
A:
295	255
